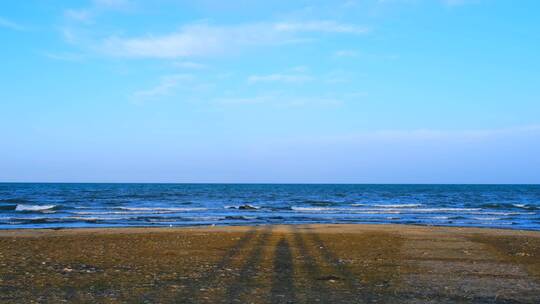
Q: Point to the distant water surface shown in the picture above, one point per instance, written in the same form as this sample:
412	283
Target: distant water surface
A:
124	205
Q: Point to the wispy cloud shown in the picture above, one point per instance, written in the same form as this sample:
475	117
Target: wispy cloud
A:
289	78
5	23
190	65
338	76
167	85
113	4
299	69
349	3
202	39
455	2
346	53
66	56
324	26
437	135
444	2
96	7
279	100
82	15
244	100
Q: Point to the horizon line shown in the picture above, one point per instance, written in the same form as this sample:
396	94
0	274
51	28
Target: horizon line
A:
277	183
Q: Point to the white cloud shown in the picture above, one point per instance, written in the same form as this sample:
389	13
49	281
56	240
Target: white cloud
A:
455	2
315	101
444	2
300	68
65	56
202	39
336	80
279	100
324	26
88	14
435	135
289	78
112	4
190	65
82	15
349	3
338	76
69	35
346	53
166	86
5	23
243	100
193	40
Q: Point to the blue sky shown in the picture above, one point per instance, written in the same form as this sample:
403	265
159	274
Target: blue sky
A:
365	91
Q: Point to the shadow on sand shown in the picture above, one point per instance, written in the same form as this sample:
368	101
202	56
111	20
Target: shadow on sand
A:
193	288
246	279
282	291
303	270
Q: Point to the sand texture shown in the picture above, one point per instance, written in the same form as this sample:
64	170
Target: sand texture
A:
270	264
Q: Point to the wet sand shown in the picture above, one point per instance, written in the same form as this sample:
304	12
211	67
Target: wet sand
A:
271	264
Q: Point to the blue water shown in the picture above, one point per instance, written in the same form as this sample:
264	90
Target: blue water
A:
123	205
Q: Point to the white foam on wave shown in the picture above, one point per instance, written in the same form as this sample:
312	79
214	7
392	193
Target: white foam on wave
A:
174	209
23	218
398	206
313	209
108	212
525	206
83	218
447	209
22	207
66	218
387	210
349	210
489	219
502	213
204	218
439	218
141	211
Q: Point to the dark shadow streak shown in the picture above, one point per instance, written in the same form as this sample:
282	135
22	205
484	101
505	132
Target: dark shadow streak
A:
283	282
245	279
349	278
425	297
317	291
193	286
332	260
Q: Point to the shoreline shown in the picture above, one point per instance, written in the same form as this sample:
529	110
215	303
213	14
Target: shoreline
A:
344	227
326	263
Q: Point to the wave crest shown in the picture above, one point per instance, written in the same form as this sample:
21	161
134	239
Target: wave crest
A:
38	208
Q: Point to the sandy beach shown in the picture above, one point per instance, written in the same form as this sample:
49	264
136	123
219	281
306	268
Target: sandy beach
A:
270	264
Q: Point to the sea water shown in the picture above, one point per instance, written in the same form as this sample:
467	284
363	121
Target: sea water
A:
27	205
